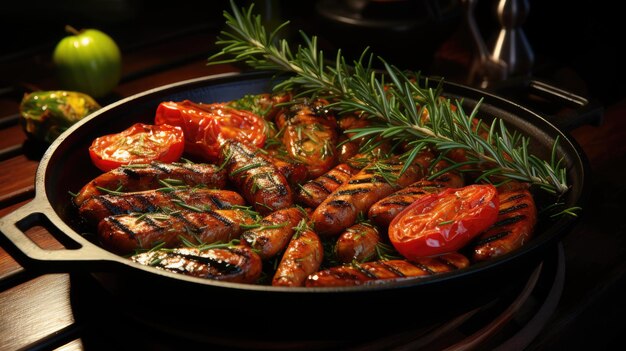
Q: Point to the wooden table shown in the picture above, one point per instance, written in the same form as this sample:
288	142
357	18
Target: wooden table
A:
35	308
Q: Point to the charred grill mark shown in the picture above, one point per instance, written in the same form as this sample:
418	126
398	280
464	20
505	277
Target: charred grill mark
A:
130	173
339	203
396	203
245	255
242	150
186	222
223	267
493	237
221	218
111	207
514	197
353	191
190	168
218	202
360	181
364	180
513	208
319	186
392	269
122	227
448	263
344	275
145	204
151	222
423	267
506	221
331	178
161	168
413	192
364	271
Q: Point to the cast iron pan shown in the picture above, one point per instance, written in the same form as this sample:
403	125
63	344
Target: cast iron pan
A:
169	299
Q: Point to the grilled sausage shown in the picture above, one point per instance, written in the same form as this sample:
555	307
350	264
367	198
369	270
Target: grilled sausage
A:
98	207
237	264
340	210
514	226
262	185
385	210
384	271
309	133
146	177
313	192
274	232
123	234
357	243
303	256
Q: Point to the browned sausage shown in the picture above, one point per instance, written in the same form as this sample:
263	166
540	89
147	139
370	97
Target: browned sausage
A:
357	243
514	226
384	271
309	133
303	256
272	234
123	234
254	175
385	210
146	177
98	207
313	192
238	264
374	182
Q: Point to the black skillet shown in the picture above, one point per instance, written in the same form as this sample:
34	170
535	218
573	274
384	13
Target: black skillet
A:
169	299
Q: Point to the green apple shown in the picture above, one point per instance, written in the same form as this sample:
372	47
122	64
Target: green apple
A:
88	61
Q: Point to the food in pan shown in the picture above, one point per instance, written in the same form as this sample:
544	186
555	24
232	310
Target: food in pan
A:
387	220
427	189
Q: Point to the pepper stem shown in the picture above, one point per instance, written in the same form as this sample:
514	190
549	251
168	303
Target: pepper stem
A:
71	30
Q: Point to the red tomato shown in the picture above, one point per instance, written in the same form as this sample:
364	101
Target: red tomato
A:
206	126
141	143
445	221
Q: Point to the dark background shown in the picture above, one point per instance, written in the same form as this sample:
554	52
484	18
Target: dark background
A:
575	43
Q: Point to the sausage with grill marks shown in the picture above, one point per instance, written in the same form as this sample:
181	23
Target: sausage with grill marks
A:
256	177
514	226
357	243
274	232
313	192
238	264
98	207
309	134
341	208
303	256
145	177
123	234
385	210
383	271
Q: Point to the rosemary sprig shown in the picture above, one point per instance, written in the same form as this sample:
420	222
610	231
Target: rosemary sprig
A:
393	99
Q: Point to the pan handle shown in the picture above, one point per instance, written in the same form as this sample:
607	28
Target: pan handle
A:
78	253
565	109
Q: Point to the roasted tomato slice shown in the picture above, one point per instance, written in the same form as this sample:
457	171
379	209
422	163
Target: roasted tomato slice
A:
141	143
206	126
444	222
